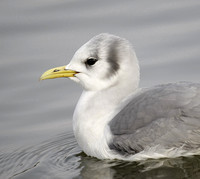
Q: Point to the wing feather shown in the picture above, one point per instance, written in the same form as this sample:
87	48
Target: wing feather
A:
166	115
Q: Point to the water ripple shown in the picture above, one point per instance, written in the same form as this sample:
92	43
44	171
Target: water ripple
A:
56	157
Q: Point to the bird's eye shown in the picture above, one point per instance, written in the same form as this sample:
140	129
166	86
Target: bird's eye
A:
91	61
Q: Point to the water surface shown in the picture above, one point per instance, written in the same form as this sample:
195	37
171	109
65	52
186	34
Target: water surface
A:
36	117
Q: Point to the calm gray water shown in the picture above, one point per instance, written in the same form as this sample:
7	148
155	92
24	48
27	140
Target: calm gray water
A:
36	138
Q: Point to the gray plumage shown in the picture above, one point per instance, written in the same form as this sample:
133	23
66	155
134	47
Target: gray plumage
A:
112	57
166	115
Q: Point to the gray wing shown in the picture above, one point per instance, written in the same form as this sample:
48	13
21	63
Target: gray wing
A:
166	115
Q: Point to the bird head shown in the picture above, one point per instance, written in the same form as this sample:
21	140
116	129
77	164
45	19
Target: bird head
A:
101	63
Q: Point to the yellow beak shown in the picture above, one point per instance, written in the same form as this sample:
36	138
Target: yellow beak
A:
58	72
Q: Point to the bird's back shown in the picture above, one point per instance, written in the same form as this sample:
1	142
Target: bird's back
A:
166	116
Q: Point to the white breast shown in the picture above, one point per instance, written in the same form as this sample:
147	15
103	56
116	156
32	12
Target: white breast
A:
90	124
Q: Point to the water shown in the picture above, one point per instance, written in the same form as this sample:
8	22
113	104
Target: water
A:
36	138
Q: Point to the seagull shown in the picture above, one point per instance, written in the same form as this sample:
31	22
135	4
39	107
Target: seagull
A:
115	118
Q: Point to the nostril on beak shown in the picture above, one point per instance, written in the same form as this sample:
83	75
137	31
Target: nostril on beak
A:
56	70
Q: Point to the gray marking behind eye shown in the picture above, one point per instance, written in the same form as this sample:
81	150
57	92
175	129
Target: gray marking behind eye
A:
113	58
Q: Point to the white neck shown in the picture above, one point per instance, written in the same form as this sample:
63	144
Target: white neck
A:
95	109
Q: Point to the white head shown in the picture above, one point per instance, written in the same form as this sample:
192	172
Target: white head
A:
104	61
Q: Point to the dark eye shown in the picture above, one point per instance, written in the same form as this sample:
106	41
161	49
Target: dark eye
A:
91	61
